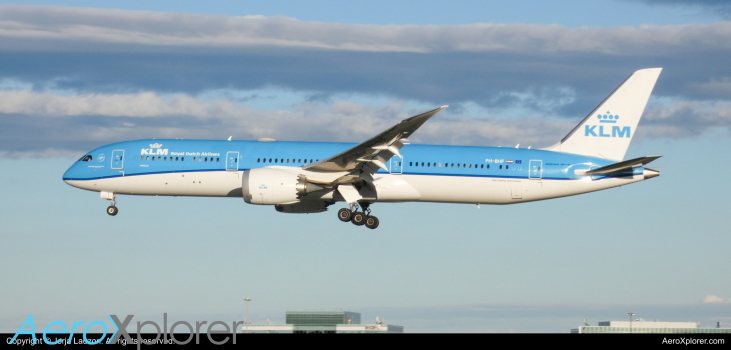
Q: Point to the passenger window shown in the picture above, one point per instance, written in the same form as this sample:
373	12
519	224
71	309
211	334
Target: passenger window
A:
153	159
299	160
470	166
275	160
166	158
199	159
311	161
205	159
452	165
217	159
440	165
411	163
287	160
142	157
457	165
422	163
482	166
507	167
428	164
176	159
501	167
488	166
281	161
182	159
258	160
158	158
270	160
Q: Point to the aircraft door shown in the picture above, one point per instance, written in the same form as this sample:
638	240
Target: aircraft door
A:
118	159
397	165
535	169
232	161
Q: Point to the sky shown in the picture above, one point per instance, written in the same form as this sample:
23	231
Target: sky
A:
75	76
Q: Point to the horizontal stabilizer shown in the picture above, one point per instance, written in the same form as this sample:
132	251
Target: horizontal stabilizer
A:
618	167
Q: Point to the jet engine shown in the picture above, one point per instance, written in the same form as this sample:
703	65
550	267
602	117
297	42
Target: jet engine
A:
274	186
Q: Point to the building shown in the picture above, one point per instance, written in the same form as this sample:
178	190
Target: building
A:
642	326
323	322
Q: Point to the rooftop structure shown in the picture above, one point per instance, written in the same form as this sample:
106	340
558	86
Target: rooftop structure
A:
642	326
323	322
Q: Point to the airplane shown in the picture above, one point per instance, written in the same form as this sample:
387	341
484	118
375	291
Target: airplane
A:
308	177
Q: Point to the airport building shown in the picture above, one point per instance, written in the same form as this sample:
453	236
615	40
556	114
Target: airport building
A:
642	326
323	322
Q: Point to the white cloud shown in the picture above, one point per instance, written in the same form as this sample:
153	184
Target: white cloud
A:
147	104
687	118
148	114
710	298
44	24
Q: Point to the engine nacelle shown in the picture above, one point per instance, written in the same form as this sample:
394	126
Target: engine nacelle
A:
274	186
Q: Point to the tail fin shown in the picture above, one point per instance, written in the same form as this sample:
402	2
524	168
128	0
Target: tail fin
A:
608	130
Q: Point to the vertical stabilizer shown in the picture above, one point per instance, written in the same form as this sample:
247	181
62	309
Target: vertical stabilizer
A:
608	130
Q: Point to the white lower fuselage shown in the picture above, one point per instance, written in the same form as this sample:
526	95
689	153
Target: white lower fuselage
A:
390	187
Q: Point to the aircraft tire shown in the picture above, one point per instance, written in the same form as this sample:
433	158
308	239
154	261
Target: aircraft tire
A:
358	219
371	222
112	210
344	215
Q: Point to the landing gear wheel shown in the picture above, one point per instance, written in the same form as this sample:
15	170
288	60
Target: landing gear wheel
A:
112	210
344	215
358	218
371	222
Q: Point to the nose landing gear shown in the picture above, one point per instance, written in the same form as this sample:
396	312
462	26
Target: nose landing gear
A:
112	209
359	218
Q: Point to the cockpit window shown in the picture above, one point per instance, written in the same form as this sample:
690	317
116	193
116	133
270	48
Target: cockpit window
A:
85	158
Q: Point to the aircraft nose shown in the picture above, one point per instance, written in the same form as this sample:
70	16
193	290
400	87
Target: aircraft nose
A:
68	175
649	173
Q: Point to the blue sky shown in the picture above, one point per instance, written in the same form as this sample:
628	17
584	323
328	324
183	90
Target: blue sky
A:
77	77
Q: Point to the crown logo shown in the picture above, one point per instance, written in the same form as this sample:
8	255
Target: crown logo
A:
155	145
607	118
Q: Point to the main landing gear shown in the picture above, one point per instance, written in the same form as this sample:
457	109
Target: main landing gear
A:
359	218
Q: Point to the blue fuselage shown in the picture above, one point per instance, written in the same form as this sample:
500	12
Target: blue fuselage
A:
157	156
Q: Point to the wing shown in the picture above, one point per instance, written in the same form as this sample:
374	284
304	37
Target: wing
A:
358	164
376	151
